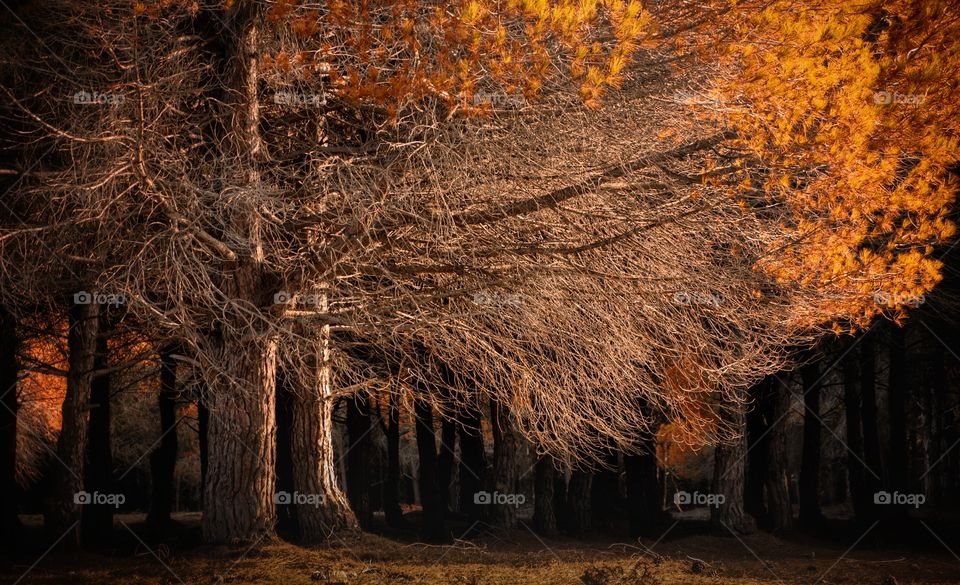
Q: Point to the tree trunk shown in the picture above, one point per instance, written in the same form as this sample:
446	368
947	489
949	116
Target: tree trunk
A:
776	483
432	527
391	487
64	513
203	426
897	404
96	524
855	467
810	514
358	457
605	493
241	378
505	447
10	527
163	460
729	475
326	508
473	461
644	494
239	488
758	456
286	518
448	438
579	518
871	431
544	514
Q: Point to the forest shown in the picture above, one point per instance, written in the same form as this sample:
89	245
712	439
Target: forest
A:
596	292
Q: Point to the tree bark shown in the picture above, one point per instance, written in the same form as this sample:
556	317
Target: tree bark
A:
163	460
358	457
810	514
544	514
239	488
729	475
241	380
314	470
505	447
10	526
63	516
432	527
96	523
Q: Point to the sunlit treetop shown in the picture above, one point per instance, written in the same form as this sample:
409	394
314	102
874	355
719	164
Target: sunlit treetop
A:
852	111
398	54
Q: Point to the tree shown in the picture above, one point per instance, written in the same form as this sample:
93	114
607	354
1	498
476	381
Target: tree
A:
810	512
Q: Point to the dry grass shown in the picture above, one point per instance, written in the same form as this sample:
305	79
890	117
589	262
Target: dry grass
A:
517	558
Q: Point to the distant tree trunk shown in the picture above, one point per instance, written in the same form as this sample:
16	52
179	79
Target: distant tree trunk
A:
544	514
758	418
286	516
96	523
579	518
729	475
64	513
10	527
391	487
644	493
314	471
810	514
776	486
432	528
203	426
560	505
448	437
358	457
473	461
605	492
897	404
163	459
855	466
871	431
505	446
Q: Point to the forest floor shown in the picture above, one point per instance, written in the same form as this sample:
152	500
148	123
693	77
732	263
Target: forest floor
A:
683	555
